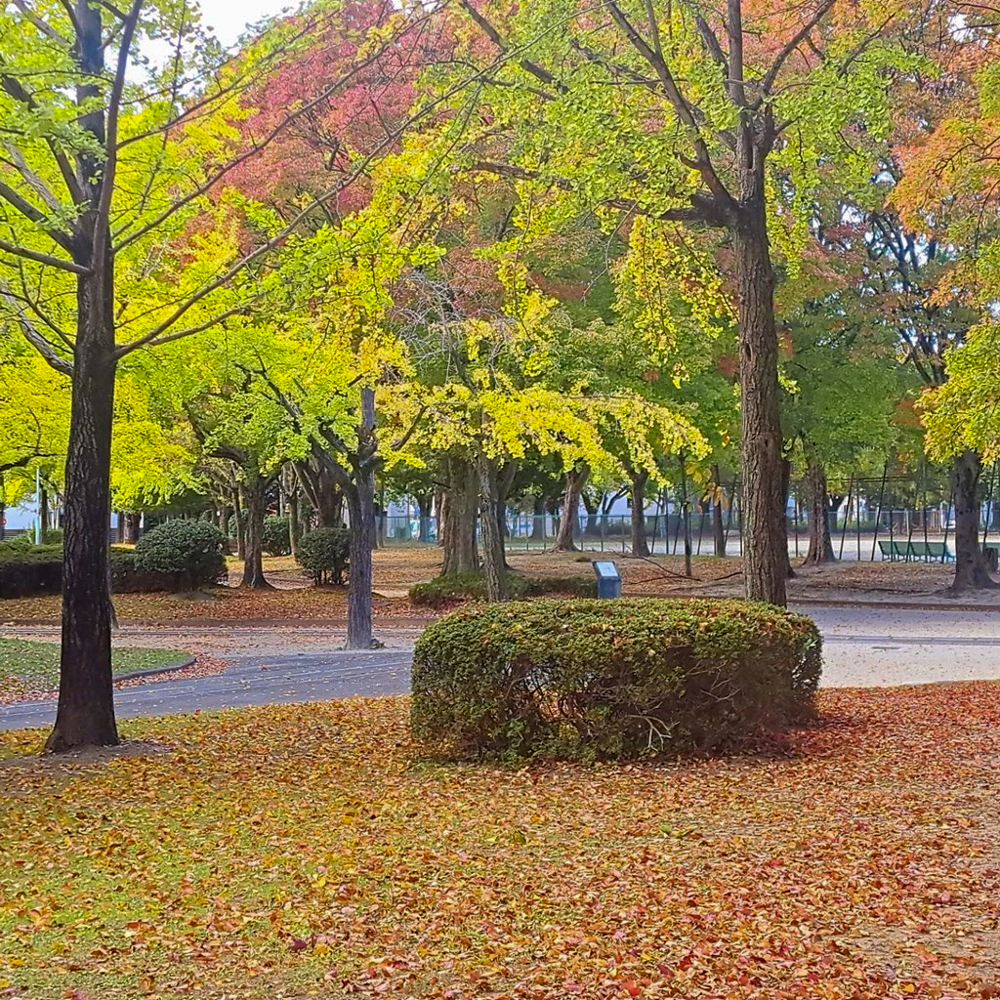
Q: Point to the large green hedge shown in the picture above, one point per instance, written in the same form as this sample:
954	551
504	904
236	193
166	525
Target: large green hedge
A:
26	572
610	679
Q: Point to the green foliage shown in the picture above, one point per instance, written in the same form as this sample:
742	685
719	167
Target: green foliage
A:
275	539
325	555
444	591
26	573
611	679
189	553
24	542
127	578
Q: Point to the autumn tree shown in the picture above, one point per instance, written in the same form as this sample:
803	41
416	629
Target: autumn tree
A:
109	159
701	118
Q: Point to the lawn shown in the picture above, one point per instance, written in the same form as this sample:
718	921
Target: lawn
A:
311	851
27	666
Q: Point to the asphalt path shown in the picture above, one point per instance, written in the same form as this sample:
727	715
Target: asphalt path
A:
863	647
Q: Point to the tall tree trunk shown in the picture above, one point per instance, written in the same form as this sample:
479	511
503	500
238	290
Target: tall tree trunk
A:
538	510
461	554
424	501
224	525
238	525
820	541
294	527
43	513
576	479
253	552
86	711
637	486
765	548
361	507
494	568
718	527
971	571
592	529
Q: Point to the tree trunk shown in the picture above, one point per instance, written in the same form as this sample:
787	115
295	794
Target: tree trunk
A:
971	571
637	482
576	479
294	527
238	525
494	568
253	552
765	548
361	507
592	529
718	527
86	711
460	553
538	511
820	541
424	501
43	513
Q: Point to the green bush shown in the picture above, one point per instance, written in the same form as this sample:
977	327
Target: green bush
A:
54	536
325	555
26	574
187	553
126	578
610	679
445	591
23	542
275	540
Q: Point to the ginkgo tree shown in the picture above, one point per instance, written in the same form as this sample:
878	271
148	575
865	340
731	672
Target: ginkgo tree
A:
721	119
109	161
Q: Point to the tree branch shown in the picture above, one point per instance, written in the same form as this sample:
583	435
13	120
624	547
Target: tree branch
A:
33	337
772	74
9	195
43	258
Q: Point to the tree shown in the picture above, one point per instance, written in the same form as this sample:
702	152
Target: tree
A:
108	161
686	116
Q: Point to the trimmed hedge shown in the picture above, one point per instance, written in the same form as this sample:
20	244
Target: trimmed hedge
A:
27	573
188	553
127	578
324	554
611	679
444	591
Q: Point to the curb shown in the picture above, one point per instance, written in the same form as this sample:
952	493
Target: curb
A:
155	671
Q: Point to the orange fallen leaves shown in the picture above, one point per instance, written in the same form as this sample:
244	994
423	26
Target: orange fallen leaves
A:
301	851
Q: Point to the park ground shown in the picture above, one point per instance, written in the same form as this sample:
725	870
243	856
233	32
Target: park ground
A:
291	851
312	851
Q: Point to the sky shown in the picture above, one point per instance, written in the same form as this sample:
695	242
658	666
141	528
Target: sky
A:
230	17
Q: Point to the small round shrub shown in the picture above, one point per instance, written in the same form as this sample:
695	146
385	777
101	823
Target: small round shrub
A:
610	679
54	536
276	540
188	553
325	555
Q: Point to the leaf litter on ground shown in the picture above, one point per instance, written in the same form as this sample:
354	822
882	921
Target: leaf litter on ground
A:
311	851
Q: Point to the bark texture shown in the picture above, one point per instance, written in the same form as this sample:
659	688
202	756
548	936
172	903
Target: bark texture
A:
255	511
494	566
820	541
971	568
569	520
460	549
637	486
765	547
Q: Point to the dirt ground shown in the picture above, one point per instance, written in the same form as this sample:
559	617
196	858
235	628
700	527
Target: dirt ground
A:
398	567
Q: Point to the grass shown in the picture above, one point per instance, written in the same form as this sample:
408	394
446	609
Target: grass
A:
34	666
312	851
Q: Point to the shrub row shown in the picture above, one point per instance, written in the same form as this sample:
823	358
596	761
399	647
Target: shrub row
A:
610	679
24	573
176	555
444	591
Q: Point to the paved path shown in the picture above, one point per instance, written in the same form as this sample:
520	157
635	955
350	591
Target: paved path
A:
863	647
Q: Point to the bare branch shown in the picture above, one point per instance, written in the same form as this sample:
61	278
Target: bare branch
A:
9	195
166	338
43	258
45	28
111	145
790	46
37	341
